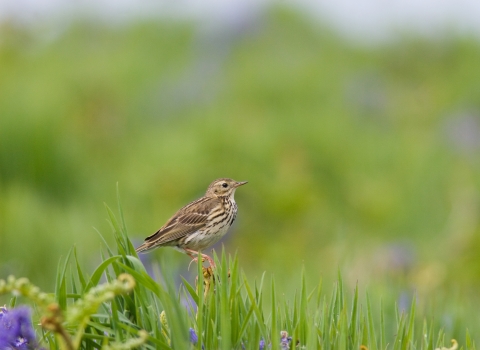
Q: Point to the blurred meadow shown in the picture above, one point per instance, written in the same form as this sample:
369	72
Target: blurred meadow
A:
362	159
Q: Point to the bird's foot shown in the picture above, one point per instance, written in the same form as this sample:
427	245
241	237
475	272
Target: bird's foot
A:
194	259
210	261
194	255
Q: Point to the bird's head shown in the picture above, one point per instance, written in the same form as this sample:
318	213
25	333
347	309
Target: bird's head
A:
223	187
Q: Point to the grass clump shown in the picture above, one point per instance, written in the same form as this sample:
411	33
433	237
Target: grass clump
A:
120	306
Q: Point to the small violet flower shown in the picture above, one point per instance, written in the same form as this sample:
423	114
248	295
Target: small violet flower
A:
262	344
193	336
285	340
16	329
3	311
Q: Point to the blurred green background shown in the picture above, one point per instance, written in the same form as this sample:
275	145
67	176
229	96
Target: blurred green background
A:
363	158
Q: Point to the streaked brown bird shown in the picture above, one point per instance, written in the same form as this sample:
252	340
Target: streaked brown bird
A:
199	224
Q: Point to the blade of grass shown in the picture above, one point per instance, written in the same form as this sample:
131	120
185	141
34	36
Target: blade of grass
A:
61	284
274	325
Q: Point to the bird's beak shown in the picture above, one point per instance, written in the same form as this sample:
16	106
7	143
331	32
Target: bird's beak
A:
238	184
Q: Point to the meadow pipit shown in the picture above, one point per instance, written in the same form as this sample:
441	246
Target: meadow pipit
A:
199	224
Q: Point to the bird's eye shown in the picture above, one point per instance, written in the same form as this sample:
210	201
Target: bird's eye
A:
225	185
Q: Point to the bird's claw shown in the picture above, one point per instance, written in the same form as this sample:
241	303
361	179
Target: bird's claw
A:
195	259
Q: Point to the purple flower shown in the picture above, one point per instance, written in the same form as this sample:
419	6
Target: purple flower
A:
3	311
21	343
193	336
16	329
285	340
262	344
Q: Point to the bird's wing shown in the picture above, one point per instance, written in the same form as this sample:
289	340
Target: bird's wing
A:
187	220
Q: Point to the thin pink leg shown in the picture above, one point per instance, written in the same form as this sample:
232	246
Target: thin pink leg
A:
193	254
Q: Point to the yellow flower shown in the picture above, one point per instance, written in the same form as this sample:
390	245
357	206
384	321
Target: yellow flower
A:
454	346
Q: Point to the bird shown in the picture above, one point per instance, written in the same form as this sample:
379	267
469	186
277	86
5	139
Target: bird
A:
199	224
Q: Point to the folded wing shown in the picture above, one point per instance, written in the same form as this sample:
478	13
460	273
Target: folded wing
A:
187	220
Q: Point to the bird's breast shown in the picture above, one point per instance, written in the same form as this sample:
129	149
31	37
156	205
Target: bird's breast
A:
217	225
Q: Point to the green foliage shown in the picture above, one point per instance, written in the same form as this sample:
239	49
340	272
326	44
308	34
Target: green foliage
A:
222	306
57	319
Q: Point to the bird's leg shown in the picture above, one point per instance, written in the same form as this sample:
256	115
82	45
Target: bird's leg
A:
194	259
194	255
210	261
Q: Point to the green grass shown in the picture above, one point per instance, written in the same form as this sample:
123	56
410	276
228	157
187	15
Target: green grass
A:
227	310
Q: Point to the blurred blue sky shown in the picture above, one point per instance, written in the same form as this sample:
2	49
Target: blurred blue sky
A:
370	20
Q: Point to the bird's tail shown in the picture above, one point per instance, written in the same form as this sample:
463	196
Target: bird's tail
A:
144	247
